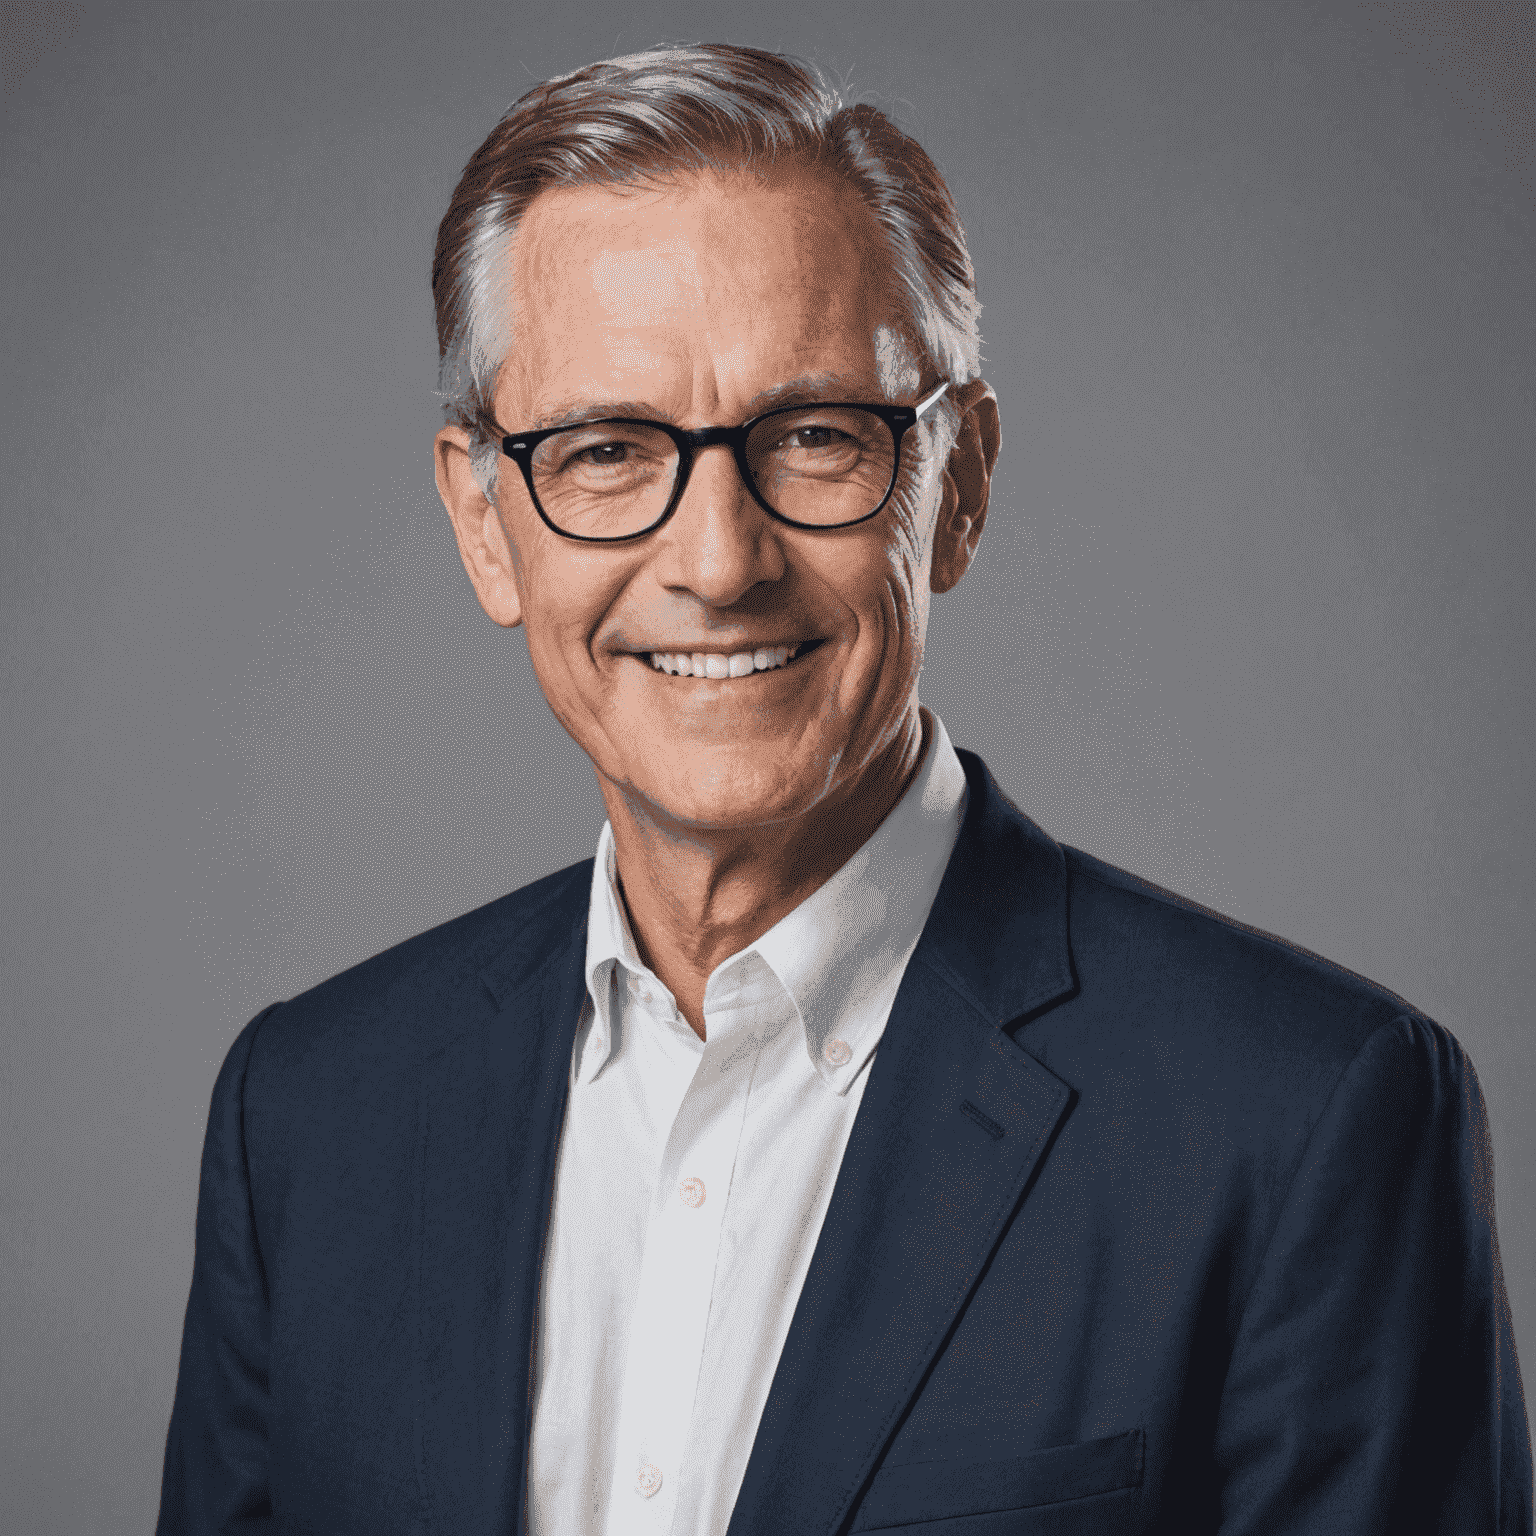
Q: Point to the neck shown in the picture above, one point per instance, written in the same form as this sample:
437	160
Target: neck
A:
695	897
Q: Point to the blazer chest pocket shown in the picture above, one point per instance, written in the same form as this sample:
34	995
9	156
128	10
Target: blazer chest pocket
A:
1039	1492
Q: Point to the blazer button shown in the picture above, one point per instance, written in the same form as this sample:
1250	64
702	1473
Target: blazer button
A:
838	1052
692	1191
648	1480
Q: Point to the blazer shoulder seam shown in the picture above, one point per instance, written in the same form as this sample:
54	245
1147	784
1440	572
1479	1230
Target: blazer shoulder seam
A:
253	1030
1410	1016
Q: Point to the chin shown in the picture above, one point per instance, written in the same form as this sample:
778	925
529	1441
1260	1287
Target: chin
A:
724	787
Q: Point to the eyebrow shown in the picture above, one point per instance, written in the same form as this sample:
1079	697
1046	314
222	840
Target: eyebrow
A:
808	389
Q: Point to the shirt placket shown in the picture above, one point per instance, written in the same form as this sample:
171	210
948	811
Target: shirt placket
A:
671	1314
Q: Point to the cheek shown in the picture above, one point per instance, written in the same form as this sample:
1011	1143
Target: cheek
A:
894	583
909	548
564	599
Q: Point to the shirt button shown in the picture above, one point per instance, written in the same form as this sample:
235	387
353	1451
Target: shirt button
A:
837	1052
692	1191
648	1480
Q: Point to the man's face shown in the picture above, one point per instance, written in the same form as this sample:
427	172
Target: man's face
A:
706	304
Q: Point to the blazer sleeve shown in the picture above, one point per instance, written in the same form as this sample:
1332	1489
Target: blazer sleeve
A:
215	1478
1373	1385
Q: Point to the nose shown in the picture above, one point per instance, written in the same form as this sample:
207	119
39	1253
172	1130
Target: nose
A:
719	543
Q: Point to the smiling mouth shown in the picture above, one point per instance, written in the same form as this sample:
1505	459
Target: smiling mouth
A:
718	664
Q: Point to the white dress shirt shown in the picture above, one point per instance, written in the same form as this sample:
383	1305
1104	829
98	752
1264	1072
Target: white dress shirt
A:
693	1178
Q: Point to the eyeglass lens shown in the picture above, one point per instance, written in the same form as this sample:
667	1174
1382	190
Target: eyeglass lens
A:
818	465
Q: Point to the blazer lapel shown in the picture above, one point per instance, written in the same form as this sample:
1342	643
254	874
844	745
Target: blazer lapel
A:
492	1101
954	1123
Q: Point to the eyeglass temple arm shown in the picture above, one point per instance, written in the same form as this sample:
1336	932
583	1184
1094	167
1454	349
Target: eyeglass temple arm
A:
924	406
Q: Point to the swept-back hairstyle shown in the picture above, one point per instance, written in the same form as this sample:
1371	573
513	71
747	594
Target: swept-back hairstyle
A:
672	111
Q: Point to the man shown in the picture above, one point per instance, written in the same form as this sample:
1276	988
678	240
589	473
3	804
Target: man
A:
836	1152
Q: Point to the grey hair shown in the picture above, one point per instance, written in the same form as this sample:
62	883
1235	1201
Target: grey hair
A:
671	111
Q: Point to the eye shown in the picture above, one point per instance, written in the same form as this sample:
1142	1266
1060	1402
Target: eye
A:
602	455
814	437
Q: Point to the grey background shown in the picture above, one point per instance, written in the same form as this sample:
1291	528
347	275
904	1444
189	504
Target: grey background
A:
1252	617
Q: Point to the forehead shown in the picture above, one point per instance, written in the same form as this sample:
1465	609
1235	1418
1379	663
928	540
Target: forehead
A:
709	289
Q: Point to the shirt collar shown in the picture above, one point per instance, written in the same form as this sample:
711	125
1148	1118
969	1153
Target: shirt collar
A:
840	954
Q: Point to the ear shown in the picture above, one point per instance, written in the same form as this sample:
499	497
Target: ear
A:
967	485
483	543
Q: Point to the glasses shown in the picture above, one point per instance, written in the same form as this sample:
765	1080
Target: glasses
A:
826	465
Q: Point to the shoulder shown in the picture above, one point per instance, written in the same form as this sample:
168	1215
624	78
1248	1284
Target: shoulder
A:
1217	1067
393	1010
1220	1004
1114	899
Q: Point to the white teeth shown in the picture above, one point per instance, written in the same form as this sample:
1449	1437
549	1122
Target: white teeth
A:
715	665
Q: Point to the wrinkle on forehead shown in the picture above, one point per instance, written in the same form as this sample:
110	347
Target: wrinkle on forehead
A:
648	286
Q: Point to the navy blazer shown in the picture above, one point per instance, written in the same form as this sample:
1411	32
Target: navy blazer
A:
1149	1222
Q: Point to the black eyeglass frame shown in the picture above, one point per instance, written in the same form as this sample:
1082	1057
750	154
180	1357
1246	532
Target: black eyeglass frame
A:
900	419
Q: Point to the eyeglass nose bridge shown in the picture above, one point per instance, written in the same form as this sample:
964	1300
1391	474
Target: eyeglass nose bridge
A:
708	437
692	441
